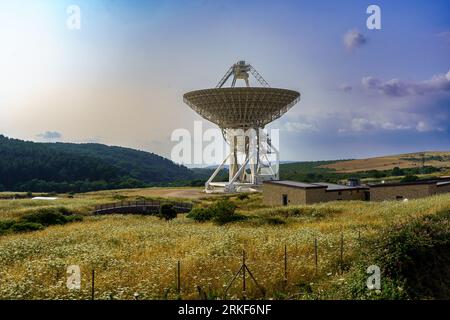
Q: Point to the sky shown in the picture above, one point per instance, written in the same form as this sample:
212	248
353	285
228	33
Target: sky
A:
119	79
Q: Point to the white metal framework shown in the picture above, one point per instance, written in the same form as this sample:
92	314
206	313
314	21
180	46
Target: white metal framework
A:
242	113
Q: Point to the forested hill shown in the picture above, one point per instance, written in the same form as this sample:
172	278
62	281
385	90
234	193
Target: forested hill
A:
145	166
65	167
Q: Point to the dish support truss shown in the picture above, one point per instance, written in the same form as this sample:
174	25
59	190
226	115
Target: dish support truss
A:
251	160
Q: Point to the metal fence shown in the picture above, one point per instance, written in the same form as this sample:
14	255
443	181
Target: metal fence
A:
140	206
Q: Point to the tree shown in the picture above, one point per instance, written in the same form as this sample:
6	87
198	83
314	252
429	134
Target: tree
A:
396	171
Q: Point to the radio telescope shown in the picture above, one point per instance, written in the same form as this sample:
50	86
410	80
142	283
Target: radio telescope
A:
242	113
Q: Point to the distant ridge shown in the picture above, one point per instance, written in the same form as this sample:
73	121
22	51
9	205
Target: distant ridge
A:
65	167
438	159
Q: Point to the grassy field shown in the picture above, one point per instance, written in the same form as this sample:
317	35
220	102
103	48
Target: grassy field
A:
409	160
136	256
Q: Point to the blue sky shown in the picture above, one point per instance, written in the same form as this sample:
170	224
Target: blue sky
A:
120	79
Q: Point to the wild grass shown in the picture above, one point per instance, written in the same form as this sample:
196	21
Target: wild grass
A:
134	254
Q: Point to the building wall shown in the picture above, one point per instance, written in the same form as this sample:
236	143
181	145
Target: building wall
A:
273	195
405	191
316	195
345	195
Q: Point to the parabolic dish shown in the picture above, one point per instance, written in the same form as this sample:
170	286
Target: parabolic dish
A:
242	107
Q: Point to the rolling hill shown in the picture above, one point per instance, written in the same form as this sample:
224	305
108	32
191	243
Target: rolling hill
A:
68	167
437	159
65	167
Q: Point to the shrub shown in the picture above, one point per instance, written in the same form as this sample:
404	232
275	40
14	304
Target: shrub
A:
221	212
74	218
166	211
414	259
409	178
418	253
26	226
201	214
242	196
39	219
51	216
46	217
5	226
273	220
224	212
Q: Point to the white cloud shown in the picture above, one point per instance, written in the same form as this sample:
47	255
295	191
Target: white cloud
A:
50	135
425	126
399	88
345	87
364	124
299	127
354	39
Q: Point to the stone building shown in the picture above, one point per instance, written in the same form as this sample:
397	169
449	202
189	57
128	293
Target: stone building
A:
279	193
408	190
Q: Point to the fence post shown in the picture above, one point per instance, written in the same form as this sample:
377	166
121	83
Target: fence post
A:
178	277
285	265
315	254
93	285
342	253
243	274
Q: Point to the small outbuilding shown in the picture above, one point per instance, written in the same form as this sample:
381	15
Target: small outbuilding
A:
283	192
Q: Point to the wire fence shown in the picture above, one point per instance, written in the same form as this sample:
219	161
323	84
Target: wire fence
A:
244	274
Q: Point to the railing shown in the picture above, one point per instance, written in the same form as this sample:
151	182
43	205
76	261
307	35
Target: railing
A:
179	206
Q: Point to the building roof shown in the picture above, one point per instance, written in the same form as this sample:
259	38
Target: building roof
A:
436	181
295	184
338	187
315	185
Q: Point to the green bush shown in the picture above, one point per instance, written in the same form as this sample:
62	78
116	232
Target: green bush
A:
201	214
47	216
414	259
74	218
5	226
273	220
166	211
409	178
242	196
224	212
418	253
39	219
221	212
26	226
